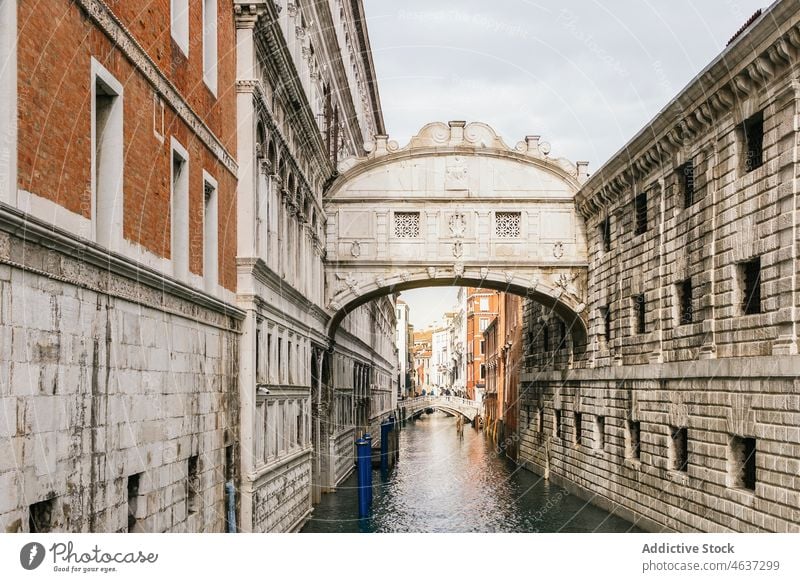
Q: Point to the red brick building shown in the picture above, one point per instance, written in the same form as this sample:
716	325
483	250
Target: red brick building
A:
117	265
482	307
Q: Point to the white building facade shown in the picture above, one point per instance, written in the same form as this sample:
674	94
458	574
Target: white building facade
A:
306	97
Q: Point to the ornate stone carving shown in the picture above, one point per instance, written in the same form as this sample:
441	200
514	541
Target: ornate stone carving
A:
350	283
456	176
509	276
484	272
458	225
558	250
355	249
458	249
431	272
458	270
507	224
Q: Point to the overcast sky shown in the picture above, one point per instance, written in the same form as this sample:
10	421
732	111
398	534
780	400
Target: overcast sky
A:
584	75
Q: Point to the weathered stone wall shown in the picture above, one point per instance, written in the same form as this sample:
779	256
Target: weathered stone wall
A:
704	370
282	498
344	455
714	400
106	383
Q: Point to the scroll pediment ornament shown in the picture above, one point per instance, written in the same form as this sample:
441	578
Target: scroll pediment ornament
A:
355	249
458	225
558	250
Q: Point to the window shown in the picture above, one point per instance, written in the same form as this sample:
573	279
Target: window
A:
578	423
507	224
483	346
686	182
633	442
684	292
640	204
484	323
484	304
179	24
605	233
679	451
210	44
546	336
179	244
107	156
742	463
539	419
192	486
158	117
210	235
133	501
750	283
605	314
753	141
639	312
600	432
557	421
562	334
41	516
483	371
406	224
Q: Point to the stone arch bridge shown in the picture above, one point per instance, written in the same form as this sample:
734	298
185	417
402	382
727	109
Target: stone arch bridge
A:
457	206
454	405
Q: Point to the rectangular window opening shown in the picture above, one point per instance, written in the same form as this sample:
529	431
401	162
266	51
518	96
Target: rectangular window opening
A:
108	159
192	486
546	336
685	311
210	44
605	314
179	24
557	419
634	440
742	463
605	233
133	501
686	178
639	308
179	244
641	213
41	516
679	440
210	237
600	432
578	427
753	137
750	277
406	225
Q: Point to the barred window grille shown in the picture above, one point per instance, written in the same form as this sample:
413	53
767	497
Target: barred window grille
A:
406	224
507	224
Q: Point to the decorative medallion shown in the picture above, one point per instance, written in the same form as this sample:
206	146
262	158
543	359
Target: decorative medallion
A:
558	250
355	249
456	176
509	276
458	249
458	269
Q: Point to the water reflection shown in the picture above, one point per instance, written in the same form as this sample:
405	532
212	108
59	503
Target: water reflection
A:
447	484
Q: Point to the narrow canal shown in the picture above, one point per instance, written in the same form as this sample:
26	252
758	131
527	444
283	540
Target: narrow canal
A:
443	484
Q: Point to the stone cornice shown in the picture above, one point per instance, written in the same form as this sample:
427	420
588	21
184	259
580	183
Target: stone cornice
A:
263	274
753	60
124	41
369	66
34	231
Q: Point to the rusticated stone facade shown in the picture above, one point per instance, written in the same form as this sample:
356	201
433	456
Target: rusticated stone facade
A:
687	398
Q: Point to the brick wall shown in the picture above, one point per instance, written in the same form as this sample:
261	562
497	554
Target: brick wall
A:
56	42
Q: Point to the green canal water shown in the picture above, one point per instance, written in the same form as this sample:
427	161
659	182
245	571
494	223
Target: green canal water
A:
446	484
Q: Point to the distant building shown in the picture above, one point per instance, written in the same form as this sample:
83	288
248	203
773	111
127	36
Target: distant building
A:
404	339
481	308
422	360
